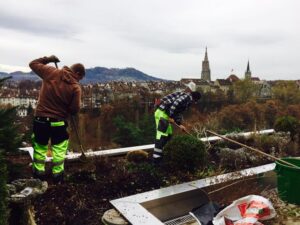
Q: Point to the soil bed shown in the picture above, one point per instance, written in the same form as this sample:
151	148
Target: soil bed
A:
89	187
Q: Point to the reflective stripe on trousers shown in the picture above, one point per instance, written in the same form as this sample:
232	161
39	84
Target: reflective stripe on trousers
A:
59	152
162	136
43	131
39	156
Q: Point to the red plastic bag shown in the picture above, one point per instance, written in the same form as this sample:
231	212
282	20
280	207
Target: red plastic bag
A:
246	211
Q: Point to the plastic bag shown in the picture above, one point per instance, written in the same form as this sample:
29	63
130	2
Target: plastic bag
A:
246	211
205	213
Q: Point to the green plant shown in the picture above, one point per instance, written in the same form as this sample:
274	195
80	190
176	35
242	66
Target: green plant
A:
141	168
287	124
9	142
185	152
266	143
127	134
10	139
3	190
209	171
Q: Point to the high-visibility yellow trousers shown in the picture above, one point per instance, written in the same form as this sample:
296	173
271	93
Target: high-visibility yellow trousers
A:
45	129
164	132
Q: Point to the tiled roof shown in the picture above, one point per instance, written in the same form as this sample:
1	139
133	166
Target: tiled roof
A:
223	82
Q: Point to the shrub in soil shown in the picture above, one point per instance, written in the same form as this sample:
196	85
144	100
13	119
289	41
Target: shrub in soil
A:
287	124
267	143
137	156
233	159
185	152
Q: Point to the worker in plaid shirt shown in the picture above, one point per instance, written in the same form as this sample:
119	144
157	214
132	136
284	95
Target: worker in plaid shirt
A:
169	110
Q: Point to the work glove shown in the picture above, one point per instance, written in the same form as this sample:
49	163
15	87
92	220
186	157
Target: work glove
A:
53	59
171	120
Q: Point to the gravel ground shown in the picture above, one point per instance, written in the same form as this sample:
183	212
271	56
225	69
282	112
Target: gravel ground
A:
287	214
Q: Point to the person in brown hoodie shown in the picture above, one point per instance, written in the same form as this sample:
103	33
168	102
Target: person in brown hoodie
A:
59	97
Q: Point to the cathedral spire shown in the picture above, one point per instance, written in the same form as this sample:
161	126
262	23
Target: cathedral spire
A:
248	71
205	74
206	57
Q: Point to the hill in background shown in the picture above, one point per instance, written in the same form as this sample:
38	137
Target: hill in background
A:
93	75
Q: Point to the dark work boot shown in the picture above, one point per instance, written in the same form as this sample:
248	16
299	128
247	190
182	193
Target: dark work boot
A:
39	175
157	161
58	178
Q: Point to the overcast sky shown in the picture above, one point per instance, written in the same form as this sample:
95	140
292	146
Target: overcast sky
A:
163	38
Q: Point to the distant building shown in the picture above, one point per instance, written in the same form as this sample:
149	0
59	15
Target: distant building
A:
232	78
201	84
223	84
255	79
205	74
22	111
265	90
18	101
248	72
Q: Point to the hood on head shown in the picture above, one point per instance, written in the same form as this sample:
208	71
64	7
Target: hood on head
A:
68	76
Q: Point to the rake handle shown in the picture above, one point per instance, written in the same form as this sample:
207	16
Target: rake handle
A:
254	149
77	135
183	130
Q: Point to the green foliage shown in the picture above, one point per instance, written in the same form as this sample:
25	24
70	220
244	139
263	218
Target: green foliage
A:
209	171
267	143
3	191
185	152
245	90
287	92
10	140
142	168
127	134
212	101
287	124
147	126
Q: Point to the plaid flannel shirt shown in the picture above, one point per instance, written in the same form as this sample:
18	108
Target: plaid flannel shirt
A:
174	104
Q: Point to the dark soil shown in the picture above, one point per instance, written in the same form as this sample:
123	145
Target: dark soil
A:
88	187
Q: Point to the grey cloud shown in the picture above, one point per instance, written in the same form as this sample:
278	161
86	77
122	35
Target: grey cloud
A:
169	42
35	26
259	39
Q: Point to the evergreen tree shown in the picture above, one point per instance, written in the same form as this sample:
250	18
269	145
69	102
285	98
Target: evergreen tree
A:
147	126
10	139
3	190
127	134
3	175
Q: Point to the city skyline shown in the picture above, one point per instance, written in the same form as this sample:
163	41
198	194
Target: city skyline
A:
163	39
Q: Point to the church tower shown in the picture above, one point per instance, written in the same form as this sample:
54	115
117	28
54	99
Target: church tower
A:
248	72
205	73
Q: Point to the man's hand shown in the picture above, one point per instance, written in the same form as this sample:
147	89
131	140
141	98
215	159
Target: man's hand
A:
53	59
171	120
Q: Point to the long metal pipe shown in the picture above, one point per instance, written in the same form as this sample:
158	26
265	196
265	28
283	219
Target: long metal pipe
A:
123	151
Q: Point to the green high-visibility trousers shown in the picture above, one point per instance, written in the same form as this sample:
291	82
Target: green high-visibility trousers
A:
164	132
45	129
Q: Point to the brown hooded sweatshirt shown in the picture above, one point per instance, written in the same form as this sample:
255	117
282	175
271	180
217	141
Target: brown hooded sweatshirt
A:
60	94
